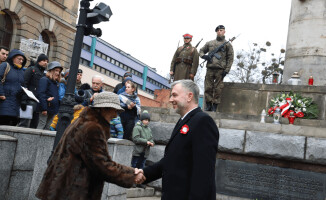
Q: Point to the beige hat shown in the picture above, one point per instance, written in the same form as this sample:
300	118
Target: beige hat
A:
107	100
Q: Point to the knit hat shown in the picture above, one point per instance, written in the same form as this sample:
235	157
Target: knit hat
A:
80	71
127	74
107	100
145	115
42	57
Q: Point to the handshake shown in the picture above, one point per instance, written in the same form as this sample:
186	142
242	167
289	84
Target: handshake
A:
139	178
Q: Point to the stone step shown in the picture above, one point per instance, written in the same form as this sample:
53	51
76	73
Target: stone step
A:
140	192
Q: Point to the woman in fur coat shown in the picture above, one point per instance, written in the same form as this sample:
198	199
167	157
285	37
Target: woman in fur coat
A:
81	163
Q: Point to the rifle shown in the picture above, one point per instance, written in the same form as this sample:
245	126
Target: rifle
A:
198	43
172	76
215	54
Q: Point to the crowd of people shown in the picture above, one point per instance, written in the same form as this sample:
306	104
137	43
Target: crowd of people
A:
80	164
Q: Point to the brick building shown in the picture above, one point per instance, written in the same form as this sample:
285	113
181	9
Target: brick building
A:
50	21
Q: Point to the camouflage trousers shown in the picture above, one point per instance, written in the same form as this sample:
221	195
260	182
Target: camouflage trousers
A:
213	85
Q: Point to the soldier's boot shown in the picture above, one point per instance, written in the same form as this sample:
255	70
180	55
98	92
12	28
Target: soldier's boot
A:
208	106
214	107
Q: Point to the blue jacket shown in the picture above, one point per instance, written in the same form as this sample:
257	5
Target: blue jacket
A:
12	86
48	88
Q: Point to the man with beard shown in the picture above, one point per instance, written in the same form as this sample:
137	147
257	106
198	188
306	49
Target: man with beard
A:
188	166
32	76
185	60
217	69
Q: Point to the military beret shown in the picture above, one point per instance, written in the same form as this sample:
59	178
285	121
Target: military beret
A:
187	35
219	27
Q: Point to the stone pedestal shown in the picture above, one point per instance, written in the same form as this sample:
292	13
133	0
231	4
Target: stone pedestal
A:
306	43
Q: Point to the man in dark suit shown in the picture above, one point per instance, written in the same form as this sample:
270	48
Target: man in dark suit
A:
188	166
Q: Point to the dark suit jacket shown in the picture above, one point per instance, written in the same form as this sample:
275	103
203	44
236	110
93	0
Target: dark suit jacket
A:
188	166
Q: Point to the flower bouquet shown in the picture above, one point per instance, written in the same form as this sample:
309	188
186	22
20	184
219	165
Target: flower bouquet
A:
295	104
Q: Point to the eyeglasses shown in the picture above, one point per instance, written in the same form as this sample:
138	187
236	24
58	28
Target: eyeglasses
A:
20	59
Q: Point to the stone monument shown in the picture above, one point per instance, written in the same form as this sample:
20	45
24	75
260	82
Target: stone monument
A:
306	42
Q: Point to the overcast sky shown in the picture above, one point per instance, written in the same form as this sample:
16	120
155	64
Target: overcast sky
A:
150	30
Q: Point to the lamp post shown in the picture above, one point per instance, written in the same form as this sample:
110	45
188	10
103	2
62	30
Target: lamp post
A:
87	17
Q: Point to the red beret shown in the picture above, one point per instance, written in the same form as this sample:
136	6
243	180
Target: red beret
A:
187	36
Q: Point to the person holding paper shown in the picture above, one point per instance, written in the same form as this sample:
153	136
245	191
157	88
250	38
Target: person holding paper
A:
12	78
32	76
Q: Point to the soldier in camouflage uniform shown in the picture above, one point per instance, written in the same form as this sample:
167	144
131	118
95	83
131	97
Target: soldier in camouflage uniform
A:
217	69
185	60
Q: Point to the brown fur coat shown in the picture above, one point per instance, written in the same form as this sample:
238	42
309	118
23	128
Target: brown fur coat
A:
81	163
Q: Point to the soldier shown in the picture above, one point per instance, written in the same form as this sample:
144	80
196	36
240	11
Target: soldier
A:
217	69
185	60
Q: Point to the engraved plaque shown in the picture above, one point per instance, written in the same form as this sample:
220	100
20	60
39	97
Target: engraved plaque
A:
258	181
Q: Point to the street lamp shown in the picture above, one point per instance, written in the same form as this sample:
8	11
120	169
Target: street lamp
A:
87	17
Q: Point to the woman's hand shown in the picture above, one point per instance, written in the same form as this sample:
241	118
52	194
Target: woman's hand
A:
2	97
44	112
50	98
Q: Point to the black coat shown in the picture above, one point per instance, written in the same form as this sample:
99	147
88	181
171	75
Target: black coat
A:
32	76
188	166
48	88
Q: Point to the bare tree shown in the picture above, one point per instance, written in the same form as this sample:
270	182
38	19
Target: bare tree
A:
200	78
255	65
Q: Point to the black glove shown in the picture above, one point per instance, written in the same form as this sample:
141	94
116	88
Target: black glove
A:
23	106
224	73
206	57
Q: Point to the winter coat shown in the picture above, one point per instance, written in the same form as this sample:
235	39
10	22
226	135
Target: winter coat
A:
116	130
12	85
227	55
32	76
48	88
81	162
188	166
140	135
125	100
88	94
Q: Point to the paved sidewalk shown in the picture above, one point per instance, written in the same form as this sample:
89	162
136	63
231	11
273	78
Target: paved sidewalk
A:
145	198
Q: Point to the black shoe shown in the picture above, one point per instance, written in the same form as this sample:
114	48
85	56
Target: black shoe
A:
141	186
208	106
214	107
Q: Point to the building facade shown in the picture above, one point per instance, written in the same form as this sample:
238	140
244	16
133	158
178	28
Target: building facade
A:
50	21
103	57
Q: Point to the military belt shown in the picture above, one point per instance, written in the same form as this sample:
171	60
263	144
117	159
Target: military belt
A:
184	60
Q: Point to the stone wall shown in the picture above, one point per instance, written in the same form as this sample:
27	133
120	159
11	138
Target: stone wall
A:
23	156
250	99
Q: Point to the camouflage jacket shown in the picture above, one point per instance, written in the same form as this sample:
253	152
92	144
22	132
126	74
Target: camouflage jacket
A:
227	55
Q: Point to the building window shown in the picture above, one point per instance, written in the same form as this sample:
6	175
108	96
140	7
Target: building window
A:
98	54
86	47
6	29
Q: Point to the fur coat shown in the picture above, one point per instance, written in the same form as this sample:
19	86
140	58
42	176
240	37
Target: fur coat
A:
81	162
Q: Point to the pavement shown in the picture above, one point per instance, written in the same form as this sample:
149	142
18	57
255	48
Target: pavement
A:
145	198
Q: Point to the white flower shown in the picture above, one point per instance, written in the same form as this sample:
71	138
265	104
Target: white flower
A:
299	101
292	106
304	109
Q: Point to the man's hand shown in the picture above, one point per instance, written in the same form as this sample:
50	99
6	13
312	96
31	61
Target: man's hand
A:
191	76
92	98
171	73
206	57
44	112
50	98
150	144
224	73
139	178
2	97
